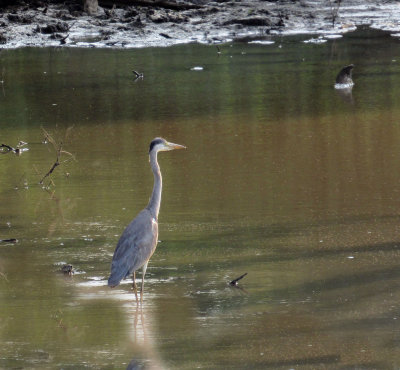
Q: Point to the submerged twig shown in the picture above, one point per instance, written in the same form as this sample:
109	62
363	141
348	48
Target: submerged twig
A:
55	164
4	276
235	281
59	150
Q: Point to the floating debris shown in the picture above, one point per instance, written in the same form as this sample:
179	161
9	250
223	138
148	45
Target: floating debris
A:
4	148
138	75
11	240
344	78
67	269
197	68
235	281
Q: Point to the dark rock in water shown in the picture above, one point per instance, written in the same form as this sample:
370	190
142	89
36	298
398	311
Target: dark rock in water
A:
345	75
3	38
67	269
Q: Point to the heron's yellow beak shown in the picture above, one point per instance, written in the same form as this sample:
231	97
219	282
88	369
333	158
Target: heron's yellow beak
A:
172	146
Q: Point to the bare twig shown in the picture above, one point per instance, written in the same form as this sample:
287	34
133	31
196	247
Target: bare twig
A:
63	39
6	149
334	10
138	75
59	151
110	13
54	166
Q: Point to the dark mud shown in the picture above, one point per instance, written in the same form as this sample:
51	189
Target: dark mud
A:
42	24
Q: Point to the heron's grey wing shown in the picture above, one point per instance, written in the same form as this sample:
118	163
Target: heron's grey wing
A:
135	246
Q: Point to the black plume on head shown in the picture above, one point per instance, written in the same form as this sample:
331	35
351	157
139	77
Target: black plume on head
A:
156	141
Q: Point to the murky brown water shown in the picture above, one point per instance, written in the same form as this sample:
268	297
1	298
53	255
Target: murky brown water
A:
284	178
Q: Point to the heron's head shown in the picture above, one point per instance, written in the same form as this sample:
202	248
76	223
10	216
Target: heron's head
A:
161	145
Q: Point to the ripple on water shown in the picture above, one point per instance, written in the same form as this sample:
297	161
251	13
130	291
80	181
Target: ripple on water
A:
94	281
319	40
262	42
344	86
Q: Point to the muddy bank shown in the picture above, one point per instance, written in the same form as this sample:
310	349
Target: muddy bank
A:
40	23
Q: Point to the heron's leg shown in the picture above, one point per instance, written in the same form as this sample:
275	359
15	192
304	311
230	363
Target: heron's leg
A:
144	268
134	284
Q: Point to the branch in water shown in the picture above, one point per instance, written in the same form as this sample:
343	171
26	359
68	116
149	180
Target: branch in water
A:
4	148
54	166
60	151
12	240
235	281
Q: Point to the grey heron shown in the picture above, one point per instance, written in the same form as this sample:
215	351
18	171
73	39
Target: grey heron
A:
139	239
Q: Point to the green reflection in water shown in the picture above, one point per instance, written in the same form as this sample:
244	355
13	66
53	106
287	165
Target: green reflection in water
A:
284	178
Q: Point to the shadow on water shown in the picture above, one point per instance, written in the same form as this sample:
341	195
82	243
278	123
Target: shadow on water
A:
349	280
318	360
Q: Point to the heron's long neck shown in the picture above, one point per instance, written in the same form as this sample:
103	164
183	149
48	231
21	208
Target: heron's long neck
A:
155	200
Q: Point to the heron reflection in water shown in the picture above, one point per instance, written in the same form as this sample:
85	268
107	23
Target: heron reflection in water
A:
139	240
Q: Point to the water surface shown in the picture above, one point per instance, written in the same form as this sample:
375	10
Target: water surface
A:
284	178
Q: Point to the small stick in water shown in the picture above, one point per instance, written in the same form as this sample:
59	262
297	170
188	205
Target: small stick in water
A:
137	74
235	281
